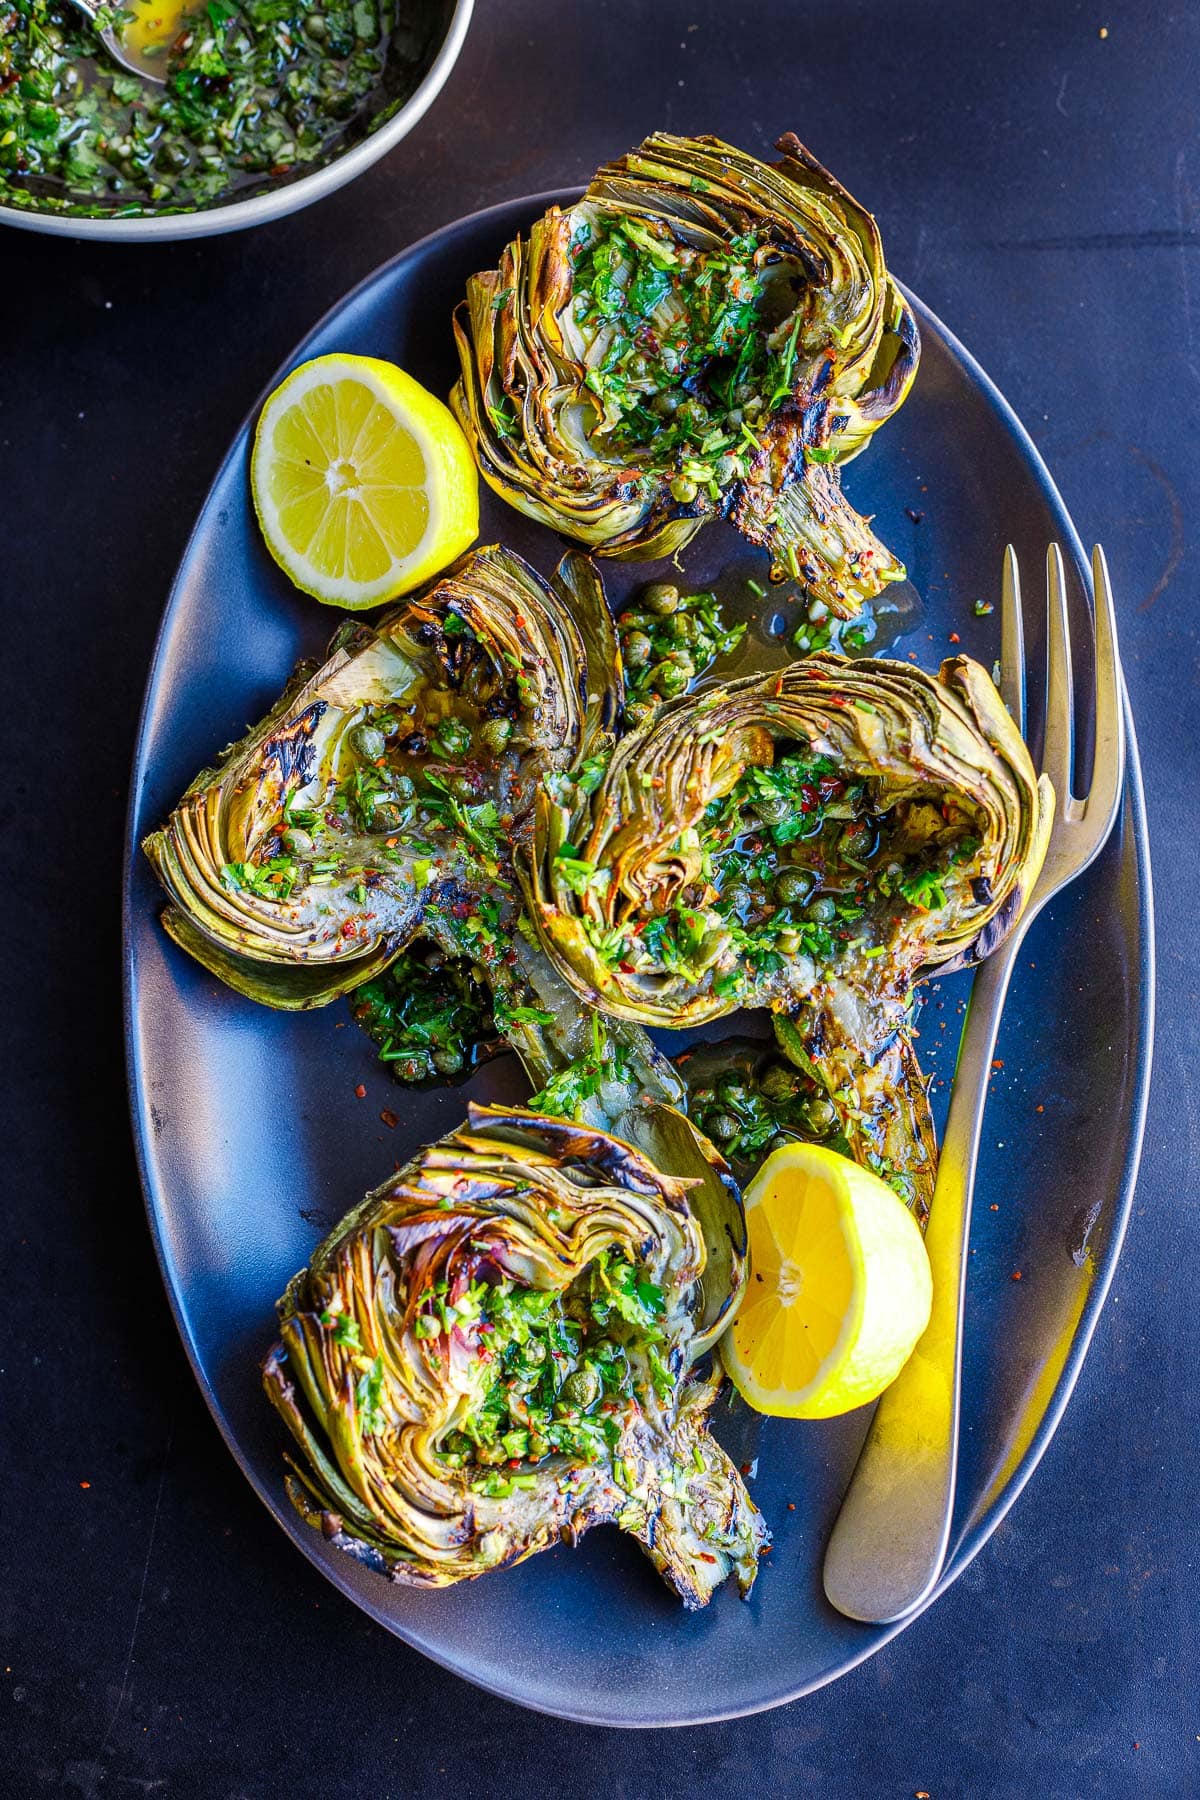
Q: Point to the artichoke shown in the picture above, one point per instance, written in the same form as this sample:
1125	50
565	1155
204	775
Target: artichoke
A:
385	787
494	1352
810	841
703	335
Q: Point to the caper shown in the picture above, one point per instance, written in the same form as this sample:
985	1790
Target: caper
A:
725	470
665	404
857	840
670	678
789	941
793	886
684	489
682	628
780	1141
779	1083
368	741
693	415
403	787
607	1350
462	787
172	156
737	899
538	1446
387	815
637	712
723	1127
582	1388
733	1090
773	809
448	1061
819	1114
417	1066
316	26
703	1097
452	737
661	597
822	911
637	649
494	735
300	843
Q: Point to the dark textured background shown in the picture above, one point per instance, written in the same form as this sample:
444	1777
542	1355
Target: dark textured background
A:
1040	187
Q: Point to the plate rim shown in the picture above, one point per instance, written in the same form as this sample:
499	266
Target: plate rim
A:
980	1525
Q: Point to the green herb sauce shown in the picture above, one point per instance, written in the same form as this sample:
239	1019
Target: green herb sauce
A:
687	350
256	91
558	1378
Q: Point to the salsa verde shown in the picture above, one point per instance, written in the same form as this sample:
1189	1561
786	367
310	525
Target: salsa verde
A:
255	91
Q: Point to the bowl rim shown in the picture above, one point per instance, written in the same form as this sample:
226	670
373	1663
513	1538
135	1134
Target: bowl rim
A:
276	203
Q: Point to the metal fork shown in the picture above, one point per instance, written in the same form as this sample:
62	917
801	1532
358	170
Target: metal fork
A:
890	1539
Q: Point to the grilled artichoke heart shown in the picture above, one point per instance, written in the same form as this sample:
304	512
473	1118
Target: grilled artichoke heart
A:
387	784
809	841
492	1353
702	336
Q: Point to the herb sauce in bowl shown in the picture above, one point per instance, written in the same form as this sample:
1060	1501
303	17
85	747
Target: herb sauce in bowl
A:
256	91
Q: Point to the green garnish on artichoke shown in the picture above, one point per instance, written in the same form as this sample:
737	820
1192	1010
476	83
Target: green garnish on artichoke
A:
809	841
494	1353
703	335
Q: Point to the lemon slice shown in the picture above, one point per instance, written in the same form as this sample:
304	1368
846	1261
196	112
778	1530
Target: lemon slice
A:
362	481
839	1289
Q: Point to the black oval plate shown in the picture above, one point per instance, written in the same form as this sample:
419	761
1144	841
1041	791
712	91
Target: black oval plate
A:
252	1141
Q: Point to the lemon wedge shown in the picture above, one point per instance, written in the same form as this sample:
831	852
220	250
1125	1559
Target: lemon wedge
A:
839	1289
362	481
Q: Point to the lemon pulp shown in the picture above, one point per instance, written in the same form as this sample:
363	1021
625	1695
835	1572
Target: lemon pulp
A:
839	1289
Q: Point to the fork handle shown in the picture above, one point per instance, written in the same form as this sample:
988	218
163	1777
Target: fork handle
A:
889	1542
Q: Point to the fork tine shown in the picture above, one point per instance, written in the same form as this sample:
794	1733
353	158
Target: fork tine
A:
1108	766
1058	744
1012	641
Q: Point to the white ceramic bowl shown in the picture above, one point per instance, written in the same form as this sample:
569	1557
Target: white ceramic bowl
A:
288	196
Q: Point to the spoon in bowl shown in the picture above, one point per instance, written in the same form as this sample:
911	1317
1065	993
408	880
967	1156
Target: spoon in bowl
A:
140	43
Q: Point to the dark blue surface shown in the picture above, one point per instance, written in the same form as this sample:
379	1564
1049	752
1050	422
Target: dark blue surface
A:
1036	184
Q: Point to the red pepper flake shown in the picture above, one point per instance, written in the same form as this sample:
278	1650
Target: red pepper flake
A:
997	1062
954	638
921	1794
389	1118
994	1207
85	1484
1016	1275
791	1506
1039	1109
361	1091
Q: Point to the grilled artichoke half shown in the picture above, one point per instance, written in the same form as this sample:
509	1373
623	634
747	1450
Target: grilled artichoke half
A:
702	336
387	784
492	1353
381	800
810	841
